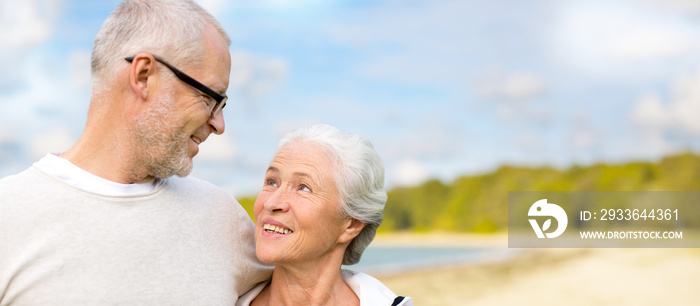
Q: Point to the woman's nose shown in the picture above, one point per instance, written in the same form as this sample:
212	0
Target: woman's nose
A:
277	202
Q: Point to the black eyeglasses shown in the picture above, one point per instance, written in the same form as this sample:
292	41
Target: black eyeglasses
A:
219	98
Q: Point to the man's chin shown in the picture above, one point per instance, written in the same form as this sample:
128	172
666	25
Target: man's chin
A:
181	168
186	170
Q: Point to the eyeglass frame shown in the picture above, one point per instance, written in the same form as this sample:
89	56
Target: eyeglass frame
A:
219	98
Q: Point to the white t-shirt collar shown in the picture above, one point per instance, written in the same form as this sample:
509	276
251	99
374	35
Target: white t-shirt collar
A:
67	172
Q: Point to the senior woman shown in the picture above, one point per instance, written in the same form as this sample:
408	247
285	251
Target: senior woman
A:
320	206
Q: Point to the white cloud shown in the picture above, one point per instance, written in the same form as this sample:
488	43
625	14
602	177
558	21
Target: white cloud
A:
680	115
214	7
530	142
256	77
5	135
49	91
596	33
430	141
583	139
522	86
423	68
420	42
410	172
79	70
50	109
682	6
435	23
645	41
23	26
649	111
283	127
583	134
514	86
513	93
653	144
282	4
26	23
217	148
56	141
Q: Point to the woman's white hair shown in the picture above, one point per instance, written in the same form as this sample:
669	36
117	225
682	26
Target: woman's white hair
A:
171	29
359	177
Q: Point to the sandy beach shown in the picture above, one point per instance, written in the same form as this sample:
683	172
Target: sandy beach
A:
550	276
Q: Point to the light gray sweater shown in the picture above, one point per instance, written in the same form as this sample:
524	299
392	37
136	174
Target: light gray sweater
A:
186	243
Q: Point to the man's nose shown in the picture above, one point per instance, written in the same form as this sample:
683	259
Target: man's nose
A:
217	123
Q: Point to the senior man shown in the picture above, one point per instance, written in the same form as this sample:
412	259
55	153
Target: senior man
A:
115	220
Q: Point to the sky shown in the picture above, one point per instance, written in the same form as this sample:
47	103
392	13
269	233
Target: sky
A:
441	88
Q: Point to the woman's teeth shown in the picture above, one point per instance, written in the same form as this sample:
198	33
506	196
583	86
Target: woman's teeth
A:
275	229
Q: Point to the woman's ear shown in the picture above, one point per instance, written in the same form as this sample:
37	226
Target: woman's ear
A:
352	229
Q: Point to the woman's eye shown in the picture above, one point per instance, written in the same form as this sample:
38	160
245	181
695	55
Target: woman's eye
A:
270	182
304	188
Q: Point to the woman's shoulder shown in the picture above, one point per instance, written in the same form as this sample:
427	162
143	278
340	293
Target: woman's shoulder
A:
370	290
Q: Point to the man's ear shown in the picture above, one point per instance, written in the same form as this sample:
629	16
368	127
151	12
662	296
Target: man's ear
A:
143	66
352	229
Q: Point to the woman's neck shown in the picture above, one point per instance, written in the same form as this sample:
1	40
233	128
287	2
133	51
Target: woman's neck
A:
316	286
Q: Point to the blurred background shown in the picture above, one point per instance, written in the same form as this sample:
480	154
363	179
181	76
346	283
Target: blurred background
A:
442	88
463	100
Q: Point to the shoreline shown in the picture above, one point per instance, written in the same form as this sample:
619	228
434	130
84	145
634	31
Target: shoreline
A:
441	239
553	277
487	249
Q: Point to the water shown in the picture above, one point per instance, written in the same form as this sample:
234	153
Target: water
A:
385	259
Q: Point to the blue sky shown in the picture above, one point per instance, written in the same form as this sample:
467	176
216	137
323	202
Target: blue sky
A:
442	88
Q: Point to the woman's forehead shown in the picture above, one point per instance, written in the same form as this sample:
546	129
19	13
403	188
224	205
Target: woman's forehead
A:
302	156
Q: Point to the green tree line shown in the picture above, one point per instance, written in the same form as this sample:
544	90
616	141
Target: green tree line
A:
479	203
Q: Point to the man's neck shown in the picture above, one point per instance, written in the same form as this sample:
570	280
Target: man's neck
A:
107	158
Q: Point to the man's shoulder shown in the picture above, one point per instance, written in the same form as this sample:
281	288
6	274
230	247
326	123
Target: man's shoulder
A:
27	178
190	182
28	184
193	186
207	195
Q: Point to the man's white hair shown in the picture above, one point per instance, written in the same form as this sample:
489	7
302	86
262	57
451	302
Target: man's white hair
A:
171	29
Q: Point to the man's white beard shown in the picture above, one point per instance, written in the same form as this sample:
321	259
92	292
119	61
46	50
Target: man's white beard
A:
162	144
